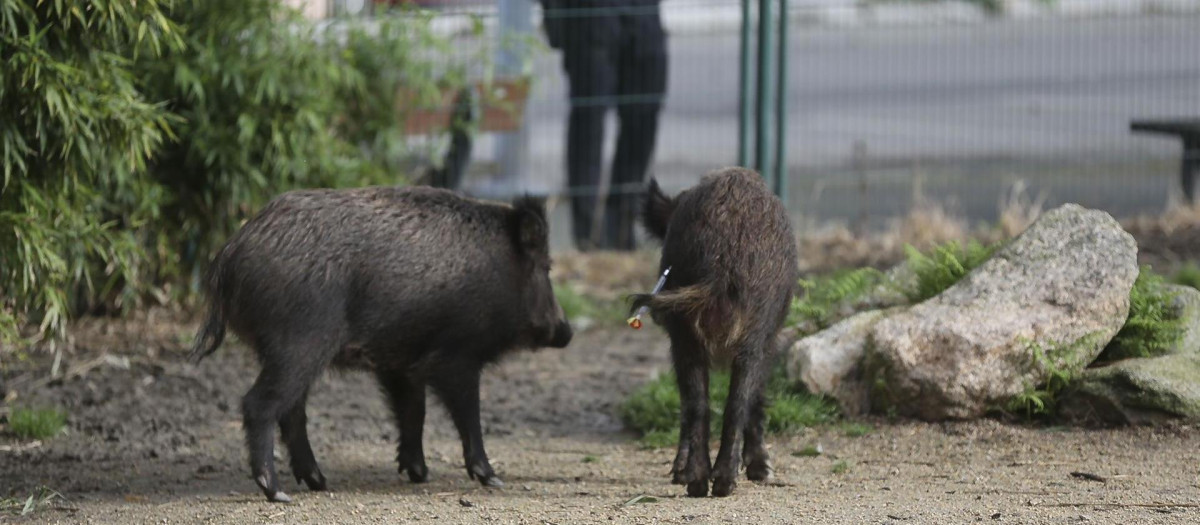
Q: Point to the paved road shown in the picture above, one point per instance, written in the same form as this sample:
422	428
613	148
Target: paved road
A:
941	100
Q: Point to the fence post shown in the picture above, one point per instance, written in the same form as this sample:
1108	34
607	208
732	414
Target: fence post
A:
781	172
762	156
512	148
744	87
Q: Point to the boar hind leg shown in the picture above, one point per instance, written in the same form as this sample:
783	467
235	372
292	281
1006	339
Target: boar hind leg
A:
408	404
279	387
460	393
293	427
692	465
745	387
754	453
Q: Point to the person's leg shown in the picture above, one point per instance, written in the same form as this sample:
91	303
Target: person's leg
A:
589	60
642	84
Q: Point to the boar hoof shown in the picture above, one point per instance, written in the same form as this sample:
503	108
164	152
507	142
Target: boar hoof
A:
416	473
272	493
759	471
723	486
698	489
485	475
315	480
492	481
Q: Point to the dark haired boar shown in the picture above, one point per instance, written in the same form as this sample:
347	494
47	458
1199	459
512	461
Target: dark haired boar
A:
733	270
420	285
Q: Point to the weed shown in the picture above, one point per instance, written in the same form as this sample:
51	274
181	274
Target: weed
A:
1153	326
1041	401
944	266
36	423
823	295
841	466
590	459
38	499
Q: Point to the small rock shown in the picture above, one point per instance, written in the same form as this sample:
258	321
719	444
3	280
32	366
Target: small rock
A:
465	503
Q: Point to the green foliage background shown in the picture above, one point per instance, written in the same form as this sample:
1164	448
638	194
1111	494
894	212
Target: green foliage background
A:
138	135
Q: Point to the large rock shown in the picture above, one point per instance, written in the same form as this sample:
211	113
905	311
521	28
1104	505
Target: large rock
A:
1049	300
1144	390
830	361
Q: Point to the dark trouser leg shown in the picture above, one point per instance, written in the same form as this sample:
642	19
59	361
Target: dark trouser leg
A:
1190	170
642	84
592	77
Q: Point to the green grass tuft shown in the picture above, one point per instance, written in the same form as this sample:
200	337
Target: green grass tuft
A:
654	408
807	452
943	266
36	423
856	429
590	459
840	467
1153	327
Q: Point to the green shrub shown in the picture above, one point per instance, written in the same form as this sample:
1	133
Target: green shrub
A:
139	135
75	140
1152	327
654	409
945	265
31	423
259	94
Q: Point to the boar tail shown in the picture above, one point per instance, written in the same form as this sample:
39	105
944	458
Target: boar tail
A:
688	299
657	212
212	333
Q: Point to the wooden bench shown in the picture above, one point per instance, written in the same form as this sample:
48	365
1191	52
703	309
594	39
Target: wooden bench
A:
489	108
1188	131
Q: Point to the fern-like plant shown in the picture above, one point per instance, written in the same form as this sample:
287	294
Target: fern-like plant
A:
945	265
823	296
1153	326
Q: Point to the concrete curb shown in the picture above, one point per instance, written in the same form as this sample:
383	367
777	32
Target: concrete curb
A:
682	17
698	19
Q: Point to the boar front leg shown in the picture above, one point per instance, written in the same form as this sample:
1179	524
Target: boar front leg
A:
459	390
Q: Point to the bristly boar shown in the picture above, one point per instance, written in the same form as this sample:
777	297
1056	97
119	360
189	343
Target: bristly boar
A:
420	285
733	271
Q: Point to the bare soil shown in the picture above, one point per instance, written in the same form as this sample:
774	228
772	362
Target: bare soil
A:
152	439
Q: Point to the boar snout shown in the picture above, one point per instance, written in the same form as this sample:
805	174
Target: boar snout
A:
561	336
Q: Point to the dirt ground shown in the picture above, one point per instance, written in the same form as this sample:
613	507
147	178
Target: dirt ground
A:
152	439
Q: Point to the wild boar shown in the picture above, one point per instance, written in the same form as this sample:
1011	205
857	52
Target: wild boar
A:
733	270
420	285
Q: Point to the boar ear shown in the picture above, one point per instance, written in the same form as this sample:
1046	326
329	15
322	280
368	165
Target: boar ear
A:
529	219
657	211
